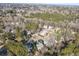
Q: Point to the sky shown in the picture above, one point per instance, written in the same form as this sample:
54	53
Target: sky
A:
42	1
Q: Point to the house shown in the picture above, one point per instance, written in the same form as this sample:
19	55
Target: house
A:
39	45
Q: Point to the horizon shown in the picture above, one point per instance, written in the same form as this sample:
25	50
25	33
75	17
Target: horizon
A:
46	3
61	2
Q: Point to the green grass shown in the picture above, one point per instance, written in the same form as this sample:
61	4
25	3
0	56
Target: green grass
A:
55	17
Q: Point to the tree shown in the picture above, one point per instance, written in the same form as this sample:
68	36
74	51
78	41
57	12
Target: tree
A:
69	50
32	26
18	34
17	49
